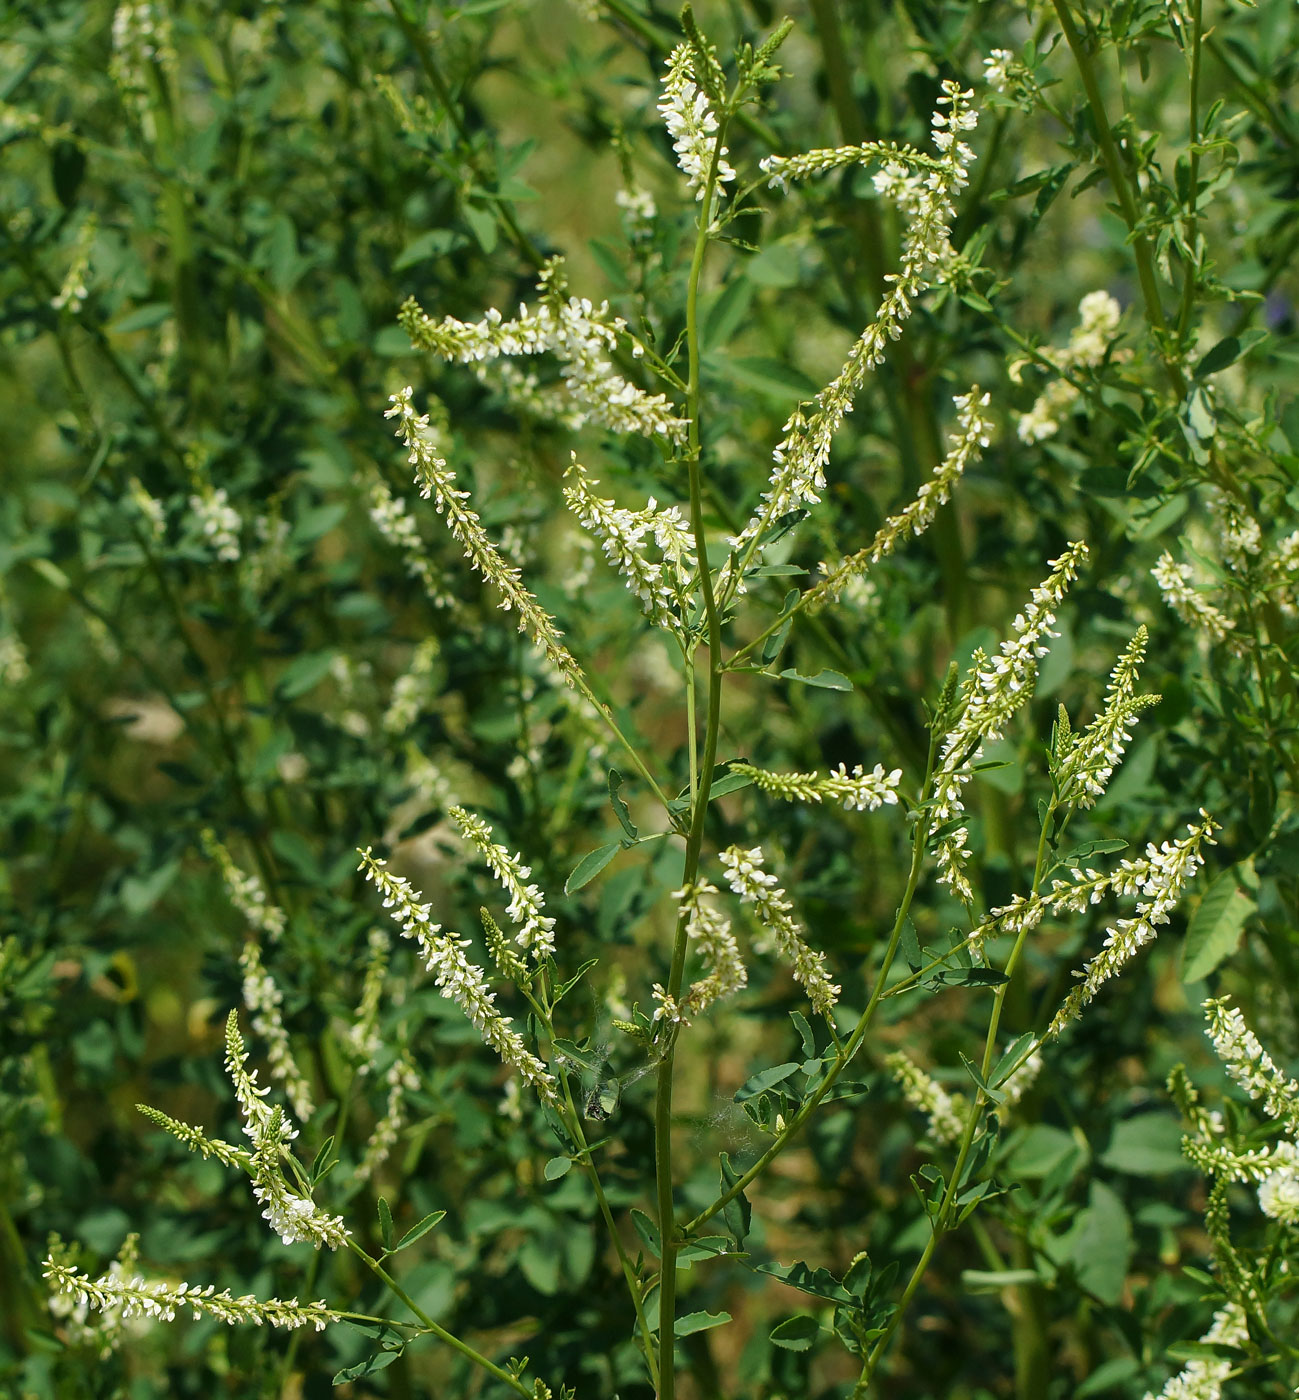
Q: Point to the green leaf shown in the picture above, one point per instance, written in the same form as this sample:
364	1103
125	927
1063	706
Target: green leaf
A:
417	1232
698	1322
804	1033
826	680
620	808
1215	928
557	1167
729	782
1002	1069
1149	1144
153	313
323	1163
796	1333
385	1224
820	1283
428	245
591	864
584	1057
993	1280
773	377
764	1079
377	1362
736	1214
1227	351
648	1231
304	674
565	987
909	945
1099	1245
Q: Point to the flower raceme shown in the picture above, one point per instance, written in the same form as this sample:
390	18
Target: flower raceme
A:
457	978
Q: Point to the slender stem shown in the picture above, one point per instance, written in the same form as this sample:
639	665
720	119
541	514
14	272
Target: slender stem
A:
1193	176
701	789
942	1220
843	1056
441	1333
428	62
1082	53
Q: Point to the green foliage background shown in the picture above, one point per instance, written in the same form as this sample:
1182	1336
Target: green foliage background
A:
253	216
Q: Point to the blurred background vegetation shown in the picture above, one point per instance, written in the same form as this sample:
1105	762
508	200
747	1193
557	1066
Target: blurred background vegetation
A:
210	215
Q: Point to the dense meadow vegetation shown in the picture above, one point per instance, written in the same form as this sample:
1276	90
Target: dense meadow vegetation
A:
648	699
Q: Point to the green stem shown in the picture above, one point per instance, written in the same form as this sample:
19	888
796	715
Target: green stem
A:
441	1333
1193	177
701	789
942	1219
1081	49
428	62
844	1055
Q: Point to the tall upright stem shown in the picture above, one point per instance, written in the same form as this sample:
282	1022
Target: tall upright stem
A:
701	789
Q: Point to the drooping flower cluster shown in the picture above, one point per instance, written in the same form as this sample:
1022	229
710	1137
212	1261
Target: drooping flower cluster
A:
1167	871
923	188
692	124
709	932
394	521
1202	1378
1176	583
1251	1066
660	587
1088	345
137	1298
401	1079
858	791
923	1092
437	480
142	41
265	1004
457	978
292	1216
412	690
245	891
580	335
536	932
362	1036
72	293
774	911
1086	761
218	521
974	435
993	690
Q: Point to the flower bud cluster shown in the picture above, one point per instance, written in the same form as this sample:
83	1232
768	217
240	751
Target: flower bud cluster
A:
436	480
994	689
923	1092
291	1216
858	791
1167	871
582	337
923	189
265	1003
975	434
710	935
413	690
245	891
621	533
136	1298
401	1079
1088	345
1088	762
526	901
774	912
457	978
395	522
218	521
692	124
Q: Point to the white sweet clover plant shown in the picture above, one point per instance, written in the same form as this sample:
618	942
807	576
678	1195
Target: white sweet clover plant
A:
696	585
1230	1146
